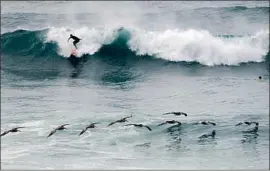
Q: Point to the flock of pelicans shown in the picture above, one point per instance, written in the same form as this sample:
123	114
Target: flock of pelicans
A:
93	125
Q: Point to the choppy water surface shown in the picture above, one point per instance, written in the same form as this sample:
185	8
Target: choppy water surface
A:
141	59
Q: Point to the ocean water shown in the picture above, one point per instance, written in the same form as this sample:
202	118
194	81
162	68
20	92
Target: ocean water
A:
141	59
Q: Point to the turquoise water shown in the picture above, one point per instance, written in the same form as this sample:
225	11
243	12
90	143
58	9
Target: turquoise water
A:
141	59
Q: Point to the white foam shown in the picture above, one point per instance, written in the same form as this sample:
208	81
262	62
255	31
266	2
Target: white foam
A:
201	46
92	39
173	45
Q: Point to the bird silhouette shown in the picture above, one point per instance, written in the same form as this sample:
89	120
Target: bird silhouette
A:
16	129
92	125
120	120
205	123
140	125
175	113
247	123
170	122
213	134
61	127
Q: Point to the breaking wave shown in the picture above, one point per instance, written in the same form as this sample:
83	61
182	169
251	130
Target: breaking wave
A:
171	45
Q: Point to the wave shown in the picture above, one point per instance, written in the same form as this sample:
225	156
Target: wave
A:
242	8
171	45
238	8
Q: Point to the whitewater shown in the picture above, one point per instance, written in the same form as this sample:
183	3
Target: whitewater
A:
172	45
141	59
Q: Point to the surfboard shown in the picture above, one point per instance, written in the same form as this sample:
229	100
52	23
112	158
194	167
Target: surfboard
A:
74	52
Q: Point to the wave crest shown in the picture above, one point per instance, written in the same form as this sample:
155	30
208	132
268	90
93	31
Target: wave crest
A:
172	45
201	46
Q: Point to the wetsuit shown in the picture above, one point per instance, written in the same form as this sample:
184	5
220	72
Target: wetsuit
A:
76	40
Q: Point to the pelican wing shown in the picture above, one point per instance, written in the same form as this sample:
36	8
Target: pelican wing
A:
63	125
127	117
239	124
51	133
162	123
148	127
82	132
183	113
19	127
4	133
112	123
168	113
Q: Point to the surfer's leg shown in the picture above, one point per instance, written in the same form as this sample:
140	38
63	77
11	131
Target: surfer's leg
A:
75	42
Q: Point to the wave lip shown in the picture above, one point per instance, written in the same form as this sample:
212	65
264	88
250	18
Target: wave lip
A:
172	45
200	46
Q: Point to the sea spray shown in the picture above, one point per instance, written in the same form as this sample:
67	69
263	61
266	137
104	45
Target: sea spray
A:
190	45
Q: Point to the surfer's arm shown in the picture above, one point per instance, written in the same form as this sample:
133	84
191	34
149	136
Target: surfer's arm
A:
69	38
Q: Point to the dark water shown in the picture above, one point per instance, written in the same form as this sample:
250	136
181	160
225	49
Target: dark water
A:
141	59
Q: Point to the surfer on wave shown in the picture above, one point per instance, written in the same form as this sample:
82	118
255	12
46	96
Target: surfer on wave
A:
76	40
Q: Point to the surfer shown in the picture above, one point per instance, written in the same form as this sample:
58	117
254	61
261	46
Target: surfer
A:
76	40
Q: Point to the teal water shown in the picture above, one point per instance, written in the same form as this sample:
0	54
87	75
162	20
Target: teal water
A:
144	60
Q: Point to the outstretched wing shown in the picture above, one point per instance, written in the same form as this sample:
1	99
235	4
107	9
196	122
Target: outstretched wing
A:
61	126
19	127
82	132
255	123
128	124
212	123
51	133
93	124
148	127
168	113
182	113
162	123
112	123
96	123
127	117
4	133
178	122
64	125
239	124
203	136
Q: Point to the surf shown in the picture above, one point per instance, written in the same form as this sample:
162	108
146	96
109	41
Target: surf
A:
174	45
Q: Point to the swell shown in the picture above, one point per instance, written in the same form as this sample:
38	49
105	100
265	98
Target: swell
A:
239	8
27	43
127	44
